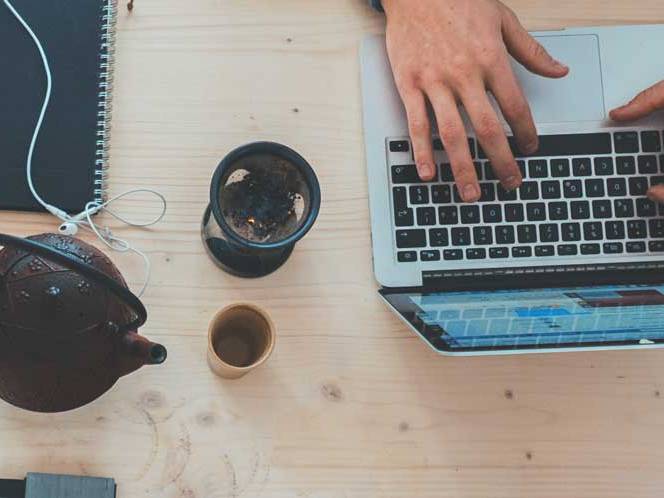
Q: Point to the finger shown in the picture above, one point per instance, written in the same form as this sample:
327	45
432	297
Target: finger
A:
656	194
646	102
453	135
507	91
491	136
420	133
528	51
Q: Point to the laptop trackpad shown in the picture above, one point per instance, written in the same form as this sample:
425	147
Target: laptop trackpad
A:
577	97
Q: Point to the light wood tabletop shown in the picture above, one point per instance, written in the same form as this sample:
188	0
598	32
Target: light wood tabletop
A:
351	404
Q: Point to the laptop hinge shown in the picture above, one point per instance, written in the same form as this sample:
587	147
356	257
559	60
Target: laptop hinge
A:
543	276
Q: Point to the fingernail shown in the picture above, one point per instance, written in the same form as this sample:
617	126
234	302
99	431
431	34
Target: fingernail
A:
512	182
530	147
425	170
560	64
471	193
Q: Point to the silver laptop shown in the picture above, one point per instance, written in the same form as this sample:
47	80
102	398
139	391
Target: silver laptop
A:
572	260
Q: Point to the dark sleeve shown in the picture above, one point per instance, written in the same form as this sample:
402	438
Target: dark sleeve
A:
376	5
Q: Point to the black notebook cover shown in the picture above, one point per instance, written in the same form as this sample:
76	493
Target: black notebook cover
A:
70	158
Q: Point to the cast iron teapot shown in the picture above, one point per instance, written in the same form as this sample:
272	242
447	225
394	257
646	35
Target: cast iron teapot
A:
68	324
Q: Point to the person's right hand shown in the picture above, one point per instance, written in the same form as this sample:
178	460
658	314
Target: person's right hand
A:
451	52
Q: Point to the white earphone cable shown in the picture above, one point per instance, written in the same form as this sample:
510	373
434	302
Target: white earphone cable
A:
83	219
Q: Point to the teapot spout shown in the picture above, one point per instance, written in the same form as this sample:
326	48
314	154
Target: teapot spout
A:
142	349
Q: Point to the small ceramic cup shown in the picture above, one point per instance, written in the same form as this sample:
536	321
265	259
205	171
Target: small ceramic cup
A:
241	338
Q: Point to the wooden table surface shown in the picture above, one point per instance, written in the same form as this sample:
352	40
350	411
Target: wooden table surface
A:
351	404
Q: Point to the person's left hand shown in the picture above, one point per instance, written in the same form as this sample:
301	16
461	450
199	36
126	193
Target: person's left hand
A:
648	101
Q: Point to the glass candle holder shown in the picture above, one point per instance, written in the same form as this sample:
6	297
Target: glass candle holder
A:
264	198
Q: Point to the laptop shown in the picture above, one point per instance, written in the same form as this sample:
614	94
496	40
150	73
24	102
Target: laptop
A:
573	260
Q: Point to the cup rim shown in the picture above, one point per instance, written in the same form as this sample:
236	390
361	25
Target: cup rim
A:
281	151
272	340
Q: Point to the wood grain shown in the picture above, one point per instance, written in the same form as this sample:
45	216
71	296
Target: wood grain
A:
351	404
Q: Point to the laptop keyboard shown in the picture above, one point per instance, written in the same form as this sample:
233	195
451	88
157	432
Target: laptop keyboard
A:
582	195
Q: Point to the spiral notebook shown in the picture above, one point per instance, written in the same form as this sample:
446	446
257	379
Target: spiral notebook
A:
71	157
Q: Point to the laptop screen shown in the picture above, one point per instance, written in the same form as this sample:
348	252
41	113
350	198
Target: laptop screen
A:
568	317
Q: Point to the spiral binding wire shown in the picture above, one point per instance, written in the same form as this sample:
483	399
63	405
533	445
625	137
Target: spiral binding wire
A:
105	95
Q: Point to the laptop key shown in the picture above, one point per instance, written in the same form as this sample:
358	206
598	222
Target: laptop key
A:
405	174
587	249
656	228
419	194
514	212
593	230
488	172
522	252
559	167
595	187
614	230
505	234
567	250
661	163
448	215
452	254
529	191
399	146
545	251
426	216
656	180
492	213
488	192
650	141
446	174
645	208
476	253
603	166
602	209
616	187
407	239
548	232
470	214
635	247
522	167
551	190
407	256
637	229
404	218
482	236
438	237
572	189
478	169
430	255
527	233
626	142
638	185
461	236
648	165
581	166
580	210
400	197
506	195
536	211
558	211
537	168
656	246
626	165
441	194
623	208
498	252
571	232
438	144
613	247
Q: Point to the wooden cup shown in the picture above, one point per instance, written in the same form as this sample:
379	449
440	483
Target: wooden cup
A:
241	337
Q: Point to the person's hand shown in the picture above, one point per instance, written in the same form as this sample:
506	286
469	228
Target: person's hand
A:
451	52
648	101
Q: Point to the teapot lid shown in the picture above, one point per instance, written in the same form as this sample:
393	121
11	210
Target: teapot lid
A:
139	313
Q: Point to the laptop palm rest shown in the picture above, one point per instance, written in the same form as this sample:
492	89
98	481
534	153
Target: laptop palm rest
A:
577	97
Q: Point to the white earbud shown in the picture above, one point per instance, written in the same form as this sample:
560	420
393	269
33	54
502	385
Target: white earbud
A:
68	228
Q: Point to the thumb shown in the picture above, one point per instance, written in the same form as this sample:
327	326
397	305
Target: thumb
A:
528	51
649	100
